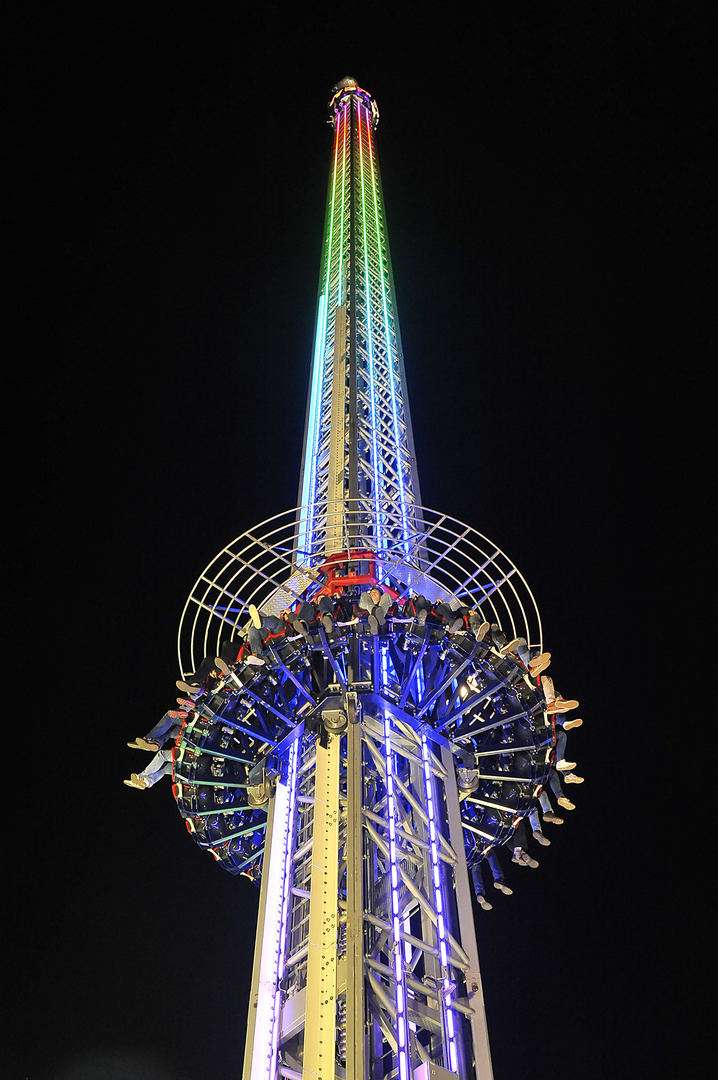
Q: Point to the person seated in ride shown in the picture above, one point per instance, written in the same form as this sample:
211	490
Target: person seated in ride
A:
204	678
235	658
554	783
520	842
464	620
265	629
235	650
530	656
160	765
377	603
450	617
419	608
491	857
565	767
213	668
535	822
554	702
331	608
500	642
165	729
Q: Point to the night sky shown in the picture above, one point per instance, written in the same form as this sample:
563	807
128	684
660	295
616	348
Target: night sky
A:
539	166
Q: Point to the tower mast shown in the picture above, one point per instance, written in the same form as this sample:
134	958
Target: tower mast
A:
357	774
379	891
358	441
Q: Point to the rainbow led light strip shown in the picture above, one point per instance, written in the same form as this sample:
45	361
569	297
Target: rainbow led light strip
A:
382	428
319	365
370	344
385	316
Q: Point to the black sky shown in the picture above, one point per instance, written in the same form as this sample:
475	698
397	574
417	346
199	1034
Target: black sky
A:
540	166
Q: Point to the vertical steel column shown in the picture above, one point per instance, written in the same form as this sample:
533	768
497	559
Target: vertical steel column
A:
372	974
321	999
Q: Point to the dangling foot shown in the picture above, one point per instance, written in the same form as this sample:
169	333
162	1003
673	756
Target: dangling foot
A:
503	888
454	626
509	647
572	779
192	690
137	781
255	617
481	631
327	623
565	803
561	705
572	724
144	744
527	860
539	836
484	903
373	624
539	663
565	766
222	666
553	819
255	661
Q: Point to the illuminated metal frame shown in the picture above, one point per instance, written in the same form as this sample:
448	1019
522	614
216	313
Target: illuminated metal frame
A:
445	558
372	456
396	773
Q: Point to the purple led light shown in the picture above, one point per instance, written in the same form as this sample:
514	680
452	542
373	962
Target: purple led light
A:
441	932
401	1016
269	999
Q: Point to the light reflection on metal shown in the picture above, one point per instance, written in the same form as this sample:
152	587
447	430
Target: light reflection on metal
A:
379	462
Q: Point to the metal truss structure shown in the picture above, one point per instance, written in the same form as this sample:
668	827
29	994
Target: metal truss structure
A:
358	775
358	442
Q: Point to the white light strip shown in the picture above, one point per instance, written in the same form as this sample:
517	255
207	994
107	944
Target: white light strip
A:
266	1030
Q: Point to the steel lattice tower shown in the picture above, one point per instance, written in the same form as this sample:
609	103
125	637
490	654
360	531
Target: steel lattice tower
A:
358	777
358	442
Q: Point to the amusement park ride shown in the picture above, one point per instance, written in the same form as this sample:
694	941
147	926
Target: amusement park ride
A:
361	763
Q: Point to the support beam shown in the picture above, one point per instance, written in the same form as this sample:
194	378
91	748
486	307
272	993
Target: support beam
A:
319	1032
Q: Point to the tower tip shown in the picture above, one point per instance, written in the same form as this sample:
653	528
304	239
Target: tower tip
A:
347	88
343	84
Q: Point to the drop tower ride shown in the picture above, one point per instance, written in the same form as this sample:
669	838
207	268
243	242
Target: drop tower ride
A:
361	772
